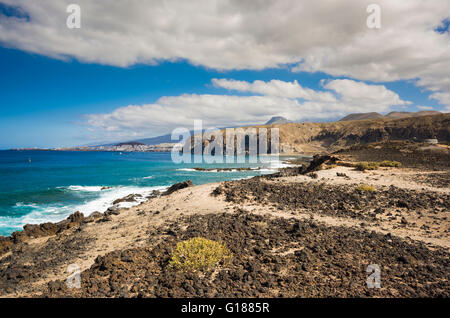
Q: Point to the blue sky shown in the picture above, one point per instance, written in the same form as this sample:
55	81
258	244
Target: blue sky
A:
44	100
51	97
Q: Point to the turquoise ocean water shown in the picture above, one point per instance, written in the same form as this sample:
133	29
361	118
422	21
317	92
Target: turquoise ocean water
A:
47	186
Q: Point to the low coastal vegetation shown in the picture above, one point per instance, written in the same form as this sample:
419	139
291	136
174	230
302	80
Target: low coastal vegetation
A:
199	253
362	166
333	162
365	188
388	163
372	165
260	225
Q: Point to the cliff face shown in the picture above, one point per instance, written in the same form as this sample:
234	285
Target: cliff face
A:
310	138
332	136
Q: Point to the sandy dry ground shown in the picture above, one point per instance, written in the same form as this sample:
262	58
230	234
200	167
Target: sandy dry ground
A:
131	227
427	228
401	178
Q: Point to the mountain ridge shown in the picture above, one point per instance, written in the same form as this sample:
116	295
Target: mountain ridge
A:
392	115
277	120
314	138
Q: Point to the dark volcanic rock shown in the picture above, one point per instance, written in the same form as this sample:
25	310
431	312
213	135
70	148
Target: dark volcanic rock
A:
335	200
284	258
77	217
128	198
434	179
28	263
315	164
93	217
410	154
31	231
5	244
178	186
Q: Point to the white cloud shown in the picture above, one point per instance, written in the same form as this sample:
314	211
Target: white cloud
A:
344	94
275	88
368	96
180	111
277	98
443	98
421	107
329	36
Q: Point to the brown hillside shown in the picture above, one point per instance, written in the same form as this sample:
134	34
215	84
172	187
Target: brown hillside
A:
398	115
310	138
318	137
362	116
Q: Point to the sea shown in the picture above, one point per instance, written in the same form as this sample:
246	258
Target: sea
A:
47	186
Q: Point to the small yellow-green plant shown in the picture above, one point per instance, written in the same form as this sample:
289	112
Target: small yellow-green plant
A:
371	165
364	165
387	163
365	188
260	224
199	253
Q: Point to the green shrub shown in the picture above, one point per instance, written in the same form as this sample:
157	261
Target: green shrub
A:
260	224
365	188
364	165
199	254
387	163
371	165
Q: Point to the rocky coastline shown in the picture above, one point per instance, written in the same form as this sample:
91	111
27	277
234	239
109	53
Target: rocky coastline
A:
305	231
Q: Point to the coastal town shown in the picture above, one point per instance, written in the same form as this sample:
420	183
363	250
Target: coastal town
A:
121	147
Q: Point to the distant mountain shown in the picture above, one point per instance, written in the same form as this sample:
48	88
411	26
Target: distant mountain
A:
361	116
391	115
278	120
146	141
163	139
397	115
156	140
130	143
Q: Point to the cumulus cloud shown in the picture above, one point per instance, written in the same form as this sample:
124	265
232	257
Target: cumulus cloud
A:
275	98
359	93
443	98
180	111
275	88
329	36
422	107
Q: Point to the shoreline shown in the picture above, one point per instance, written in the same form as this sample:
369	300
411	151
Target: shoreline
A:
135	198
98	197
404	221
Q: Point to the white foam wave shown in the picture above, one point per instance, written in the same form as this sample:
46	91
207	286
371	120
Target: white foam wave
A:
56	212
106	199
265	170
85	188
24	205
218	170
278	164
